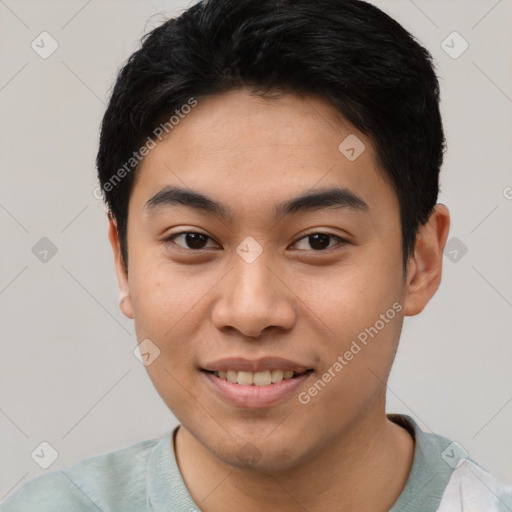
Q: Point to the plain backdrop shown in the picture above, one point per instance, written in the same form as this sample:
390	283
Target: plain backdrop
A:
68	375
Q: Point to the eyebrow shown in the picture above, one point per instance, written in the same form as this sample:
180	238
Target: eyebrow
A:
334	197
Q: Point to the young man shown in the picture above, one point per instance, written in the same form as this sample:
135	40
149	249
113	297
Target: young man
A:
271	172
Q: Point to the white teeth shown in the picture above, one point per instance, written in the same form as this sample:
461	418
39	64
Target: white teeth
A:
244	378
277	375
264	378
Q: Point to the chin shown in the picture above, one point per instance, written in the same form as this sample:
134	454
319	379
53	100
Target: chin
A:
250	457
265	452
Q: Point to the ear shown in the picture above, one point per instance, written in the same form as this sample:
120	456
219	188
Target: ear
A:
424	269
125	302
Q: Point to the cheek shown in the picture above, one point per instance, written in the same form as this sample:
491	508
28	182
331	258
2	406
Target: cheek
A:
166	298
348	298
357	312
170	305
168	311
354	370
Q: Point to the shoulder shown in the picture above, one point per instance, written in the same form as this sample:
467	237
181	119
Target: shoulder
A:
473	487
445	478
51	492
110	481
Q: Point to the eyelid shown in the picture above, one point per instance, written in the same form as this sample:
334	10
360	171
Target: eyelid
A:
172	236
341	240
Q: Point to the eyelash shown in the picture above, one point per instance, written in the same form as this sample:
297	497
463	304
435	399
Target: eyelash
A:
176	235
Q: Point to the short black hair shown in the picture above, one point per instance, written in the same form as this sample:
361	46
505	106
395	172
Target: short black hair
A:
349	52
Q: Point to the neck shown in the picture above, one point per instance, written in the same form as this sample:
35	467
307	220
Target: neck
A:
366	468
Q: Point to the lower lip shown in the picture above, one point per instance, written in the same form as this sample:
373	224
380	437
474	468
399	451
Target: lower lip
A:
252	397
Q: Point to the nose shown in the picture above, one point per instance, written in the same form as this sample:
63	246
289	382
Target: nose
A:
254	297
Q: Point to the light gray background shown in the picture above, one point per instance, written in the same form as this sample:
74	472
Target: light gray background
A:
67	372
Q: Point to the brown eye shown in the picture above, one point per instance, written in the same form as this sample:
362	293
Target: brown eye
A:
190	240
319	241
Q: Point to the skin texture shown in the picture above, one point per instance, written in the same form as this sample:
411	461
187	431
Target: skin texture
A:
293	302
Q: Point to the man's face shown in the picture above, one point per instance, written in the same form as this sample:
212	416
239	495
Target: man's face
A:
305	299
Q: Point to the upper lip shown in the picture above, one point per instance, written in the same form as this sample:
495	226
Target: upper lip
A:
255	365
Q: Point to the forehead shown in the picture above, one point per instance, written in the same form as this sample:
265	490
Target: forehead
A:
238	123
252	152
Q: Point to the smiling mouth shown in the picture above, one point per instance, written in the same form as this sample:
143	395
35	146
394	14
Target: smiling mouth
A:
263	378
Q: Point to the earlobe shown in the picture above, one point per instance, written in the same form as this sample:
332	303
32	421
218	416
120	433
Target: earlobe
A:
122	278
425	267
